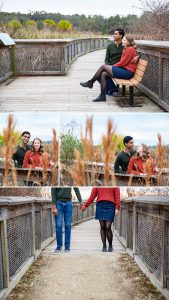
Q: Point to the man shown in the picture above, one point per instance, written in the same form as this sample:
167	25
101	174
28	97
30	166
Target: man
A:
122	160
113	55
19	153
63	208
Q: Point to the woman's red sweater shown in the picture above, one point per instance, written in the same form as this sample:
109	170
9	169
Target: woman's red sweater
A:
137	166
33	160
125	61
105	194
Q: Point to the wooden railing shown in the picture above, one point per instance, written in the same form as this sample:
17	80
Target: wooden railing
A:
143	228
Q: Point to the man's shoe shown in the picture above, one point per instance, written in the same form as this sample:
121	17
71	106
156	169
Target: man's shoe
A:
110	248
101	97
58	249
67	249
88	84
104	249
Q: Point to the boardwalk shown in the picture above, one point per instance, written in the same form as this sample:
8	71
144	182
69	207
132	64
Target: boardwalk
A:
85	273
63	93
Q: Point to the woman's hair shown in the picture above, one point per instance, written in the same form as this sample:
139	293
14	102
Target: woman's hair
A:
130	39
41	147
146	153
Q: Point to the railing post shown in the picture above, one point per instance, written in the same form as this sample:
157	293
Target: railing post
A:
120	227
127	225
41	212
134	228
5	258
164	254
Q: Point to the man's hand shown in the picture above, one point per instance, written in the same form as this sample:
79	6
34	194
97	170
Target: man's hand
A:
82	207
54	210
135	59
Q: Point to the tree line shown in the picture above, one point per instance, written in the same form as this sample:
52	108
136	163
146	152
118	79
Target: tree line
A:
96	23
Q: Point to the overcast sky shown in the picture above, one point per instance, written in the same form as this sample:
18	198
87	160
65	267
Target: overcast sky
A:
142	127
87	7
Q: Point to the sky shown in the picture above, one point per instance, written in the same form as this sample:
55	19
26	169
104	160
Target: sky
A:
142	127
87	7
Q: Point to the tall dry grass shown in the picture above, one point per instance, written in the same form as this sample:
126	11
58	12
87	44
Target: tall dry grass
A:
10	174
160	159
83	175
55	157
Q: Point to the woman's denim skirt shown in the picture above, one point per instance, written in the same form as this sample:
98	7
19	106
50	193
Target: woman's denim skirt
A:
105	211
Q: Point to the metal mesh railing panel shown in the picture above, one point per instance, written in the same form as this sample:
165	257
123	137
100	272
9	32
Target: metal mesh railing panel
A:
166	80
149	242
150	78
5	62
38	59
37	230
1	263
19	234
46	224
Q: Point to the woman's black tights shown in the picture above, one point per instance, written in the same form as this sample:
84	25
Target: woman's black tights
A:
106	232
101	76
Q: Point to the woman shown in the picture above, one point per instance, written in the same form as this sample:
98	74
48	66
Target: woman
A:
107	203
141	163
36	157
124	69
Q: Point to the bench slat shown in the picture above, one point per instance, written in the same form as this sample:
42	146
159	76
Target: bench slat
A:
140	73
138	77
134	81
143	62
123	82
141	68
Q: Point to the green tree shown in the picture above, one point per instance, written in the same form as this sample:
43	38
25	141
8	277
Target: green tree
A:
30	24
69	143
13	26
49	24
15	134
120	146
64	25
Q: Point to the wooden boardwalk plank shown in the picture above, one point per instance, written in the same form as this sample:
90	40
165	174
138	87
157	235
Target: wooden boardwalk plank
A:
64	93
86	240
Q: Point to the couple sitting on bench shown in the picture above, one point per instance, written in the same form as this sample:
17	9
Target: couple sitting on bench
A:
121	62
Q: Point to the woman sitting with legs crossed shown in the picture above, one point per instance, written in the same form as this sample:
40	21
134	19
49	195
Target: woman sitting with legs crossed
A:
124	69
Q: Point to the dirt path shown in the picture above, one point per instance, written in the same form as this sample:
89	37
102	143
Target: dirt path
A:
90	275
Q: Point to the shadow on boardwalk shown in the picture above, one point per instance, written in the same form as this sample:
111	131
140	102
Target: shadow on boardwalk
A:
64	93
85	273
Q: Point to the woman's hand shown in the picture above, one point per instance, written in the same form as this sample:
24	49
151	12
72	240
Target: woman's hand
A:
82	208
117	212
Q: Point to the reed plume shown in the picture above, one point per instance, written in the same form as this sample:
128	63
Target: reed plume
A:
10	139
55	157
109	148
160	158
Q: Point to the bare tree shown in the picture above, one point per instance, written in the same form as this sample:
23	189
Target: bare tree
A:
155	18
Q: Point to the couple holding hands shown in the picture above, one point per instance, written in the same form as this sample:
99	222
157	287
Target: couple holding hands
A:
107	204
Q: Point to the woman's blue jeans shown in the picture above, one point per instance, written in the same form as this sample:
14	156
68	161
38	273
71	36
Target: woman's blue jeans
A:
65	210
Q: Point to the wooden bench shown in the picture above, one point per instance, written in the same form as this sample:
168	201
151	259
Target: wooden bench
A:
134	81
